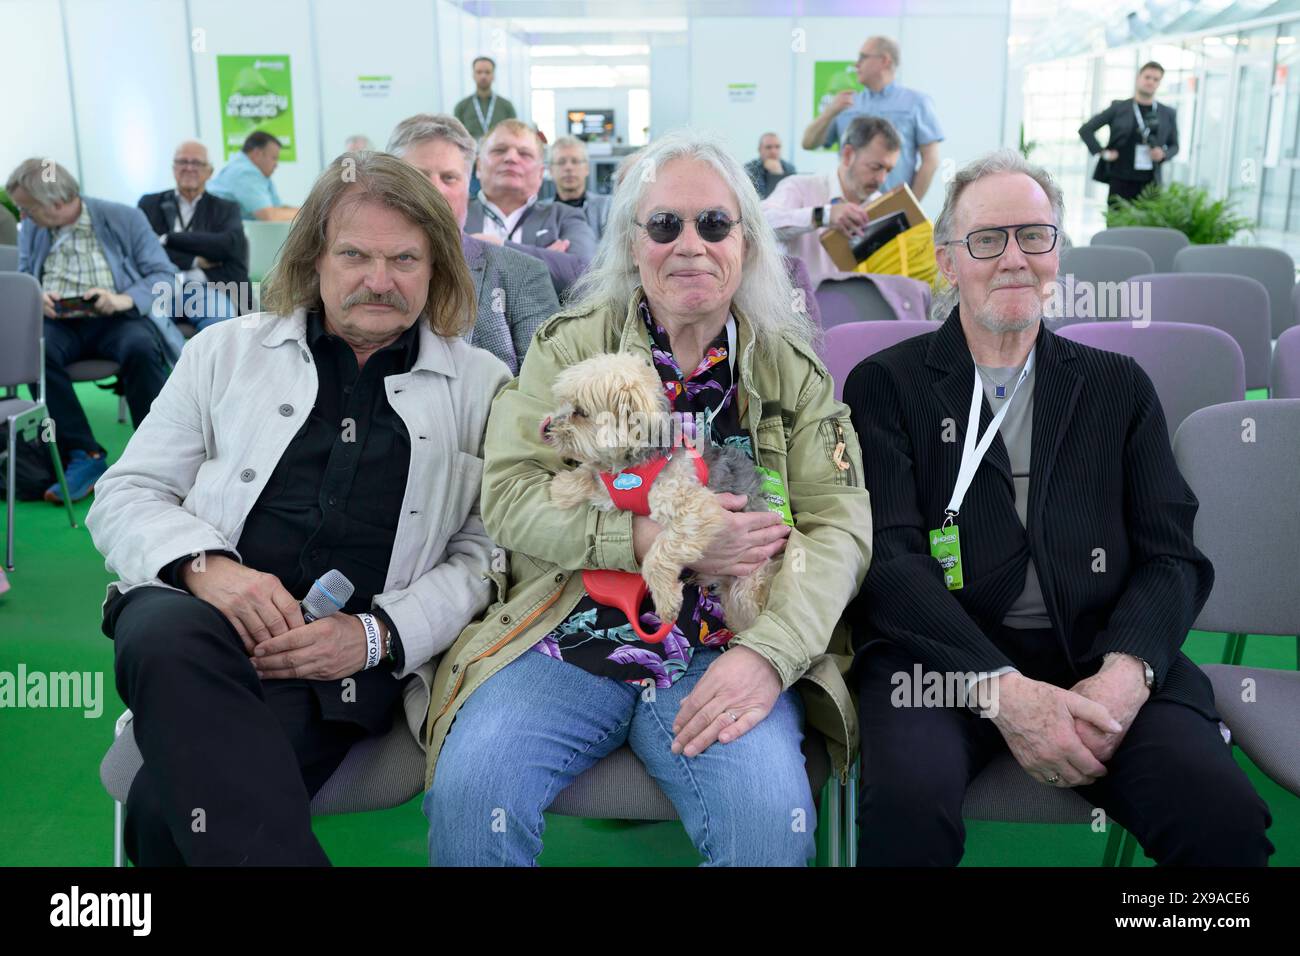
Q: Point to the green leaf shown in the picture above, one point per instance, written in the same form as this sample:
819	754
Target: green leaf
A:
1189	209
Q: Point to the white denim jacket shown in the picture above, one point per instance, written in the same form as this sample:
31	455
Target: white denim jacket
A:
241	390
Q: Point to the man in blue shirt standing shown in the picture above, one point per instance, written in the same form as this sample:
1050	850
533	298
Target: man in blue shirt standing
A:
246	179
910	111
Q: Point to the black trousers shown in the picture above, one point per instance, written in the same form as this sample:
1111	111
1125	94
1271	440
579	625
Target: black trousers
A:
127	338
1125	189
231	762
1172	783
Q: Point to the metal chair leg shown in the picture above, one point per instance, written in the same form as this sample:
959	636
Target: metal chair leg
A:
1241	649
119	824
851	817
121	409
63	483
832	817
1114	840
1127	851
1229	648
11	476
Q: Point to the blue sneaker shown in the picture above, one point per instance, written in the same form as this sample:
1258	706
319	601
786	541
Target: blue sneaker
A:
81	473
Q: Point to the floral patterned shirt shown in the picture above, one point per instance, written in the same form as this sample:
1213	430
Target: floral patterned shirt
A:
599	639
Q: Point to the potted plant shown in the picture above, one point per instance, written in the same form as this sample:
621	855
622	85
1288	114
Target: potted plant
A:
1189	209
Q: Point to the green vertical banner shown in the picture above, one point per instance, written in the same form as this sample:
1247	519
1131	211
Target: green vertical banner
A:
256	93
831	77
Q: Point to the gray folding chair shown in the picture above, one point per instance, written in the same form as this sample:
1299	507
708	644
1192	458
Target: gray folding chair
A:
8	258
1237	305
1274	268
1241	460
1097	264
98	370
619	788
378	773
848	344
1159	243
1191	366
1286	365
22	361
853	297
1261	706
264	242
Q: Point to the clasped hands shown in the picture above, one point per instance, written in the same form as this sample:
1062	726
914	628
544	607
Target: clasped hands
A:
1065	737
269	622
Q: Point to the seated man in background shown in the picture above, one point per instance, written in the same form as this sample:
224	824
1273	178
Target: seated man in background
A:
246	180
570	168
1045	575
204	238
769	169
339	430
508	212
104	254
514	290
802	207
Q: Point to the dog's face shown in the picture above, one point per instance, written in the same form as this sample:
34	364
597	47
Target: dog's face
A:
609	406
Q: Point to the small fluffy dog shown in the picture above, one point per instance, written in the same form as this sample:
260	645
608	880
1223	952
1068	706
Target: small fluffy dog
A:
614	420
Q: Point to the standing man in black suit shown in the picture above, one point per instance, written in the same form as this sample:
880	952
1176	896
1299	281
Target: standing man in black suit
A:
1143	136
203	236
1043	577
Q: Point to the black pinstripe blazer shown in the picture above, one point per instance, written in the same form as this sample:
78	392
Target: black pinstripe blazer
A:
1102	477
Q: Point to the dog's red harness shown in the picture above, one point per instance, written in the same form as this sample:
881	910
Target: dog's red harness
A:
629	489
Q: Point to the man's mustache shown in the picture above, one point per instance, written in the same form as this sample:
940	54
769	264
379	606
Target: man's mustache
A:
366	297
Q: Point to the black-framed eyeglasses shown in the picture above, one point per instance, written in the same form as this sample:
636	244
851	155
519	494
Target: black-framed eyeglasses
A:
190	163
1034	239
713	225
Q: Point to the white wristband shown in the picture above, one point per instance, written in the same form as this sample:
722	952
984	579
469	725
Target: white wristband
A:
374	644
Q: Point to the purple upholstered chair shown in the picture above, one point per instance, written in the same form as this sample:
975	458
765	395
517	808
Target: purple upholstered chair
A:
848	344
800	279
1191	366
1160	243
1286	365
861	297
1235	304
1272	267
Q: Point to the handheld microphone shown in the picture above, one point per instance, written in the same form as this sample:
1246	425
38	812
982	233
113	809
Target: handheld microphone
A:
327	596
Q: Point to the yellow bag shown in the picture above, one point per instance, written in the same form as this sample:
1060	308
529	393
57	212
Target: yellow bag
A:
911	254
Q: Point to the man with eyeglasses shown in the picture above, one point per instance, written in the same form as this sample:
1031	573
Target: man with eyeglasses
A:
801	208
203	236
570	168
1033	559
910	111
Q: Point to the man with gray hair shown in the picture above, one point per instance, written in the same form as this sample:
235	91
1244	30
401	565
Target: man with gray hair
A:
570	168
1045	575
513	290
769	169
98	263
801	208
910	111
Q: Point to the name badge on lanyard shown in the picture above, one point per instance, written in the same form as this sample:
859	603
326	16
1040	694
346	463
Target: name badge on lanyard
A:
945	541
1142	160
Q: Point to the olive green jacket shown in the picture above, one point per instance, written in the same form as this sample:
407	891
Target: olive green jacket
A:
787	405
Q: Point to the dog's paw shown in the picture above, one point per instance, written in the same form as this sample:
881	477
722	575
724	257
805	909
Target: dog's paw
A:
569	489
668	601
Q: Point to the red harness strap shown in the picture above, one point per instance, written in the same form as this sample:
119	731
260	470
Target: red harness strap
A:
630	488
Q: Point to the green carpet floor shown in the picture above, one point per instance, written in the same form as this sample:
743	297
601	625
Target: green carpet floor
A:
53	811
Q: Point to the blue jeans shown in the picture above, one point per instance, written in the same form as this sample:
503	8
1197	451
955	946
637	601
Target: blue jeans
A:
538	723
205	305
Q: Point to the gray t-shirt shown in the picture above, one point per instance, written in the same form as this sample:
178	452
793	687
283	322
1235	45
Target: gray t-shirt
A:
1028	610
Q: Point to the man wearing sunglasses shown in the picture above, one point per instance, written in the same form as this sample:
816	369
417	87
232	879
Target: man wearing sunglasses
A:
1045	573
801	208
203	235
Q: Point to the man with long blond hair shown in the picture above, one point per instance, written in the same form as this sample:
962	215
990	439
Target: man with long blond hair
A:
340	430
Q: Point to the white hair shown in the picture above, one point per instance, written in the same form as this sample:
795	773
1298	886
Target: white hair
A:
765	293
990	164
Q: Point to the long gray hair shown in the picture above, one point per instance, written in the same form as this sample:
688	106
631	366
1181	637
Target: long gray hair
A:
765	294
998	161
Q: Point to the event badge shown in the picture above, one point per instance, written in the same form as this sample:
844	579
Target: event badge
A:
945	547
1142	158
773	493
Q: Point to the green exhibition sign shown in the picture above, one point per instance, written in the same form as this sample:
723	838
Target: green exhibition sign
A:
256	93
831	77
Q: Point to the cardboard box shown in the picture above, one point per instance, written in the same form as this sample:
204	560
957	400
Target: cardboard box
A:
899	199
